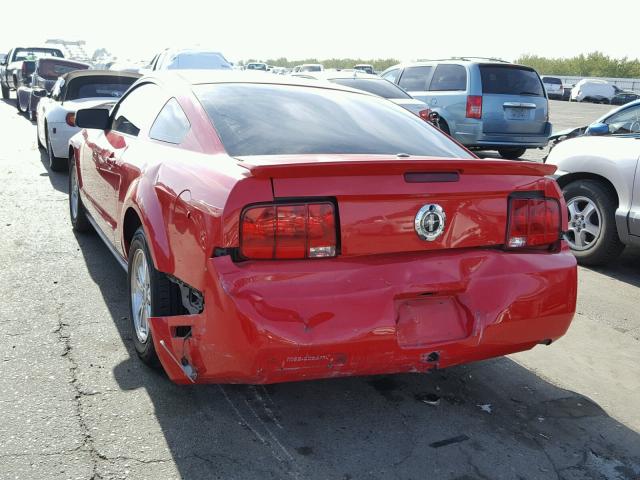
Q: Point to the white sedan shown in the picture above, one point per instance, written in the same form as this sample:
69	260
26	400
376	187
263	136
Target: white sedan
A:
73	91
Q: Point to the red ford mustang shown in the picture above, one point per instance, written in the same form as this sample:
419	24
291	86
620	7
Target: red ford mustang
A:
277	229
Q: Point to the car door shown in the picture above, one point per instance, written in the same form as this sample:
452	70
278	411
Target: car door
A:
634	214
415	80
625	121
103	156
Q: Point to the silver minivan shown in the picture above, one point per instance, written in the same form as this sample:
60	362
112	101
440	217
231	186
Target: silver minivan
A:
485	104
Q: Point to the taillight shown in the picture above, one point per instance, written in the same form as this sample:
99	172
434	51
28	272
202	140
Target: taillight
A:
71	119
288	231
533	222
425	115
474	106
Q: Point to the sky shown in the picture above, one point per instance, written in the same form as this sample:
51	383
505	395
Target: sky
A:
407	30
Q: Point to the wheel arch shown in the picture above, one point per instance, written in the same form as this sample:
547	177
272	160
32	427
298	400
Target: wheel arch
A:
572	177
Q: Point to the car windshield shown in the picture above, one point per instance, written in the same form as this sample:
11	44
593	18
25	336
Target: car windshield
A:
311	68
199	61
552	80
256	66
98	86
256	119
33	53
380	87
510	80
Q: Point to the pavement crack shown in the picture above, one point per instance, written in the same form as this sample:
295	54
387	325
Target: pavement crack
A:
88	444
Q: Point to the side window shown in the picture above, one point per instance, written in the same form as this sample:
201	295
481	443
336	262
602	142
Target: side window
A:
415	78
449	78
57	90
627	121
392	75
171	124
136	111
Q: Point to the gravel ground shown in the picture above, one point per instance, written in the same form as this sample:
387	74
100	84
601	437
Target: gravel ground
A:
77	404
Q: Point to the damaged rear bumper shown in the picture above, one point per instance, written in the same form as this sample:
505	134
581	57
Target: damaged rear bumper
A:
267	322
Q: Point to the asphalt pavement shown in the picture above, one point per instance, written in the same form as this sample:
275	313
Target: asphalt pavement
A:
75	402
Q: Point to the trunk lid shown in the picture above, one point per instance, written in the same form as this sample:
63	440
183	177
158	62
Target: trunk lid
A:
379	197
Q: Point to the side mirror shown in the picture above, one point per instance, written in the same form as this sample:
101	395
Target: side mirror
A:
598	129
96	118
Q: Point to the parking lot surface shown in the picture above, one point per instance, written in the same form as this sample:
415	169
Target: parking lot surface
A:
77	404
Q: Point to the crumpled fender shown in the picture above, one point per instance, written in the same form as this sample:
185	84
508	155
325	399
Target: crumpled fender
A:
143	198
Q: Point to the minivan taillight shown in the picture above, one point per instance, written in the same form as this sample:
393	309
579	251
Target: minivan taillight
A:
288	231
474	106
533	222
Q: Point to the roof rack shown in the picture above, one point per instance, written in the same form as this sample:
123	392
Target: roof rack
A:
466	58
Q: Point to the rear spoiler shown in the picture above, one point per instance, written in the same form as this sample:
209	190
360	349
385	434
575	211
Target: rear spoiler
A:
320	168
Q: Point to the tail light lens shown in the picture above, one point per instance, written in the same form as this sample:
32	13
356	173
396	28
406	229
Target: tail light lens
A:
533	222
424	114
71	119
288	231
474	106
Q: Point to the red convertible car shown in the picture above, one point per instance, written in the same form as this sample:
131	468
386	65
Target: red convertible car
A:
279	229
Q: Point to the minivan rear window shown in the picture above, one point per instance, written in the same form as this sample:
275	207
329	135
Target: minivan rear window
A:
552	80
510	80
257	119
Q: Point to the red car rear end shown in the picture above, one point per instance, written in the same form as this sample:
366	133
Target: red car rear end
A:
317	232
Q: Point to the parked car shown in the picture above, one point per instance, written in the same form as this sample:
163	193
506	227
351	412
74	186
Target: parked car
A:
46	72
623	97
311	67
189	59
600	180
12	64
591	90
372	84
553	86
484	104
256	66
621	120
343	237
365	67
79	89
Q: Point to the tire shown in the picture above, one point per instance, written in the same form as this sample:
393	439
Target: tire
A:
592	248
18	104
56	164
444	126
77	213
39	143
5	92
511	153
160	299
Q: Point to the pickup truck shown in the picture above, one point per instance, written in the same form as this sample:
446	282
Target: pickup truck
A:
13	61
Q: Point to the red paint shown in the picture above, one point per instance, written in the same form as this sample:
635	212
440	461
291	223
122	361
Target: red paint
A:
382	305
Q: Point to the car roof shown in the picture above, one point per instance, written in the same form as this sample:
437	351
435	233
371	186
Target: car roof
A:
458	61
98	73
189	78
340	74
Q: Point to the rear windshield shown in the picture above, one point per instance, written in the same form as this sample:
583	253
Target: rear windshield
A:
256	66
380	87
311	68
509	80
552	80
199	61
23	53
90	87
256	119
52	69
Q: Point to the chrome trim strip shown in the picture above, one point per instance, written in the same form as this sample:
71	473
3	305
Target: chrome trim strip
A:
103	237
